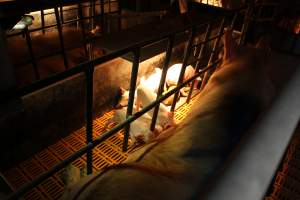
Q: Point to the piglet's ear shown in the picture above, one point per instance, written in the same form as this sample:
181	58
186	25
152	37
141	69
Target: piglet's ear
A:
230	46
122	90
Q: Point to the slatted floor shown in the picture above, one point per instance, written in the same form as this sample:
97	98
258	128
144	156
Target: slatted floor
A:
107	153
286	185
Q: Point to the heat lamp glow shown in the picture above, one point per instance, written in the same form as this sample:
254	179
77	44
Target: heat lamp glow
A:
217	3
145	94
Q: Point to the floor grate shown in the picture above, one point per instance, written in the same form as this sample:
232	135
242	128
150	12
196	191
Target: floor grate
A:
287	179
105	154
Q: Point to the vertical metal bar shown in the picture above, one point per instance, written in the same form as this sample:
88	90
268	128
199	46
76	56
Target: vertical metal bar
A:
32	57
61	40
102	16
162	80
80	14
109	8
134	74
294	43
233	20
119	13
91	14
248	16
90	51
43	21
212	55
61	13
184	63
89	115
203	46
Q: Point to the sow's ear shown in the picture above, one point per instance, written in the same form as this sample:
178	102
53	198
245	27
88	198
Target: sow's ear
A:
230	46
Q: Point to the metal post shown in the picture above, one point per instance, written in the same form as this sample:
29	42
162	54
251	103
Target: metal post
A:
162	80
43	21
61	40
212	55
203	46
119	13
102	16
61	13
109	8
89	116
80	14
295	40
184	63
134	74
233	20
32	57
248	17
91	14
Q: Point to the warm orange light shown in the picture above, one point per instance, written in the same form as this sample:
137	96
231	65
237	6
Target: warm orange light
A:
152	82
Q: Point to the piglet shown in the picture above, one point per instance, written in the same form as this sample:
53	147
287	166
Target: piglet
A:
145	96
184	159
174	72
152	82
139	129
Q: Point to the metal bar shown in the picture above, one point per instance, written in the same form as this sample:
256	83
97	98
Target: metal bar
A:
248	16
32	57
89	116
43	21
53	25
82	67
184	62
65	23
91	14
294	43
233	20
61	40
119	11
103	29
80	14
203	46
24	188
251	169
162	80
212	55
208	40
134	74
61	13
109	7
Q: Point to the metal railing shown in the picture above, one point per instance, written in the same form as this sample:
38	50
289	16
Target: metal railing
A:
88	69
60	22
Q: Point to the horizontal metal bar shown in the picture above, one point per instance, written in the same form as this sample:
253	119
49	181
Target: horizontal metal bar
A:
82	67
23	189
251	168
208	40
71	9
54	25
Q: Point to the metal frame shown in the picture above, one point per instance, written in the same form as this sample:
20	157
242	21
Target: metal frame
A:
60	22
88	69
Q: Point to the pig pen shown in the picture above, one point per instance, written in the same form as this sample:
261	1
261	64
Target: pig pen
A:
52	187
110	151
